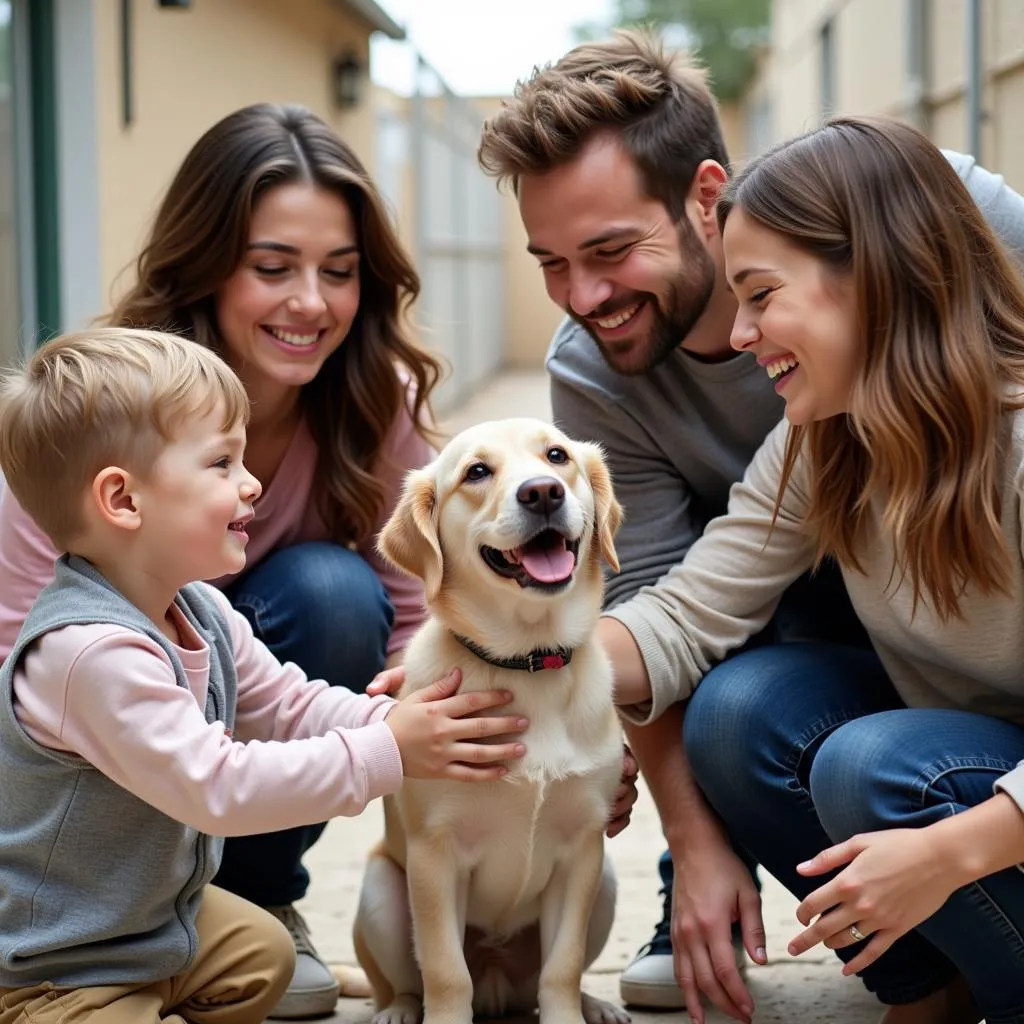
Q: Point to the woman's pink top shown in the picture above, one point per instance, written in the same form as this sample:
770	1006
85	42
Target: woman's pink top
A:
285	515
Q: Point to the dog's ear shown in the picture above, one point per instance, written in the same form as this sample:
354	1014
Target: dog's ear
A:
607	510
410	539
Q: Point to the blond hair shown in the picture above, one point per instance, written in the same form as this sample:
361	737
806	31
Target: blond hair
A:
940	312
110	396
658	105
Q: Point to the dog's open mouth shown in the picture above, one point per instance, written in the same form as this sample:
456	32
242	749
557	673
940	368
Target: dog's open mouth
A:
546	560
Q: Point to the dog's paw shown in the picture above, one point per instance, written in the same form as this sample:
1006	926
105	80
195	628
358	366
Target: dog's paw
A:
402	1010
599	1011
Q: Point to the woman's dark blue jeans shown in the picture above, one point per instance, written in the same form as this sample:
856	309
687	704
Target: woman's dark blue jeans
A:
800	746
322	607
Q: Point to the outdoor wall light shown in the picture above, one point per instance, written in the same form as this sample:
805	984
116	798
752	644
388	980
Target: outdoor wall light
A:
347	80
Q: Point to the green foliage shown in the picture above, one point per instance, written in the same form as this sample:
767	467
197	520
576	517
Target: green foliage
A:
723	33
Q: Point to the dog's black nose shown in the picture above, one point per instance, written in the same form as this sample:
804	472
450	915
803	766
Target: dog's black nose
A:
542	494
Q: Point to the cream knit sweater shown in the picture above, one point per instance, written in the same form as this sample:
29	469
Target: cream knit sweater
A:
727	587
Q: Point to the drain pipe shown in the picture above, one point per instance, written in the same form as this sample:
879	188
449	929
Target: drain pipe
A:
974	73
917	84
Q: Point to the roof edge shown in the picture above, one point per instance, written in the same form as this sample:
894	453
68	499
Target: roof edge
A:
376	16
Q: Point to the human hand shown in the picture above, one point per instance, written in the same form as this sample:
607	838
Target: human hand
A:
893	882
625	795
438	740
389	681
712	888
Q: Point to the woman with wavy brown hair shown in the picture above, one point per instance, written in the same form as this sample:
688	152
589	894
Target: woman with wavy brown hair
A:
272	247
884	787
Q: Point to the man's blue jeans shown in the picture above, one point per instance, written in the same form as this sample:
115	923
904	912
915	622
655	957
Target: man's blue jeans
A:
801	746
322	607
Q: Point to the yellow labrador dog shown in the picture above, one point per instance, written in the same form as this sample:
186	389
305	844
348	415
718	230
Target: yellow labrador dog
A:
494	897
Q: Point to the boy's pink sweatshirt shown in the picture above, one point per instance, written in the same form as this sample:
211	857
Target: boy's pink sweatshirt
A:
302	751
285	515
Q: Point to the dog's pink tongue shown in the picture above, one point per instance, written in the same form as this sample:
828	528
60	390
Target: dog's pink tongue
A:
552	565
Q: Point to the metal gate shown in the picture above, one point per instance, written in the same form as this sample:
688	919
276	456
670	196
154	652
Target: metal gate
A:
457	231
452	213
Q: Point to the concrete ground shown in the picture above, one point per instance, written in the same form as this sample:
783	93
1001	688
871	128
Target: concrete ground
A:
786	991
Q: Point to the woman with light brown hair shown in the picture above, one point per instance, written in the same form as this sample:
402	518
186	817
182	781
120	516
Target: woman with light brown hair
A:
272	247
884	788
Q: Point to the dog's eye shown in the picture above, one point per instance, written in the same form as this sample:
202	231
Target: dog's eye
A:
477	471
558	456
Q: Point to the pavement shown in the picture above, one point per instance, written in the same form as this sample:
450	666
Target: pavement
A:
786	991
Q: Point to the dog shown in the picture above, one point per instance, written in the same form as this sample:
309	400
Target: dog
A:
493	897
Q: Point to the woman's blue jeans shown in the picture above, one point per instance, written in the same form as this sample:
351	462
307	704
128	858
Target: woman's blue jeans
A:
800	746
322	607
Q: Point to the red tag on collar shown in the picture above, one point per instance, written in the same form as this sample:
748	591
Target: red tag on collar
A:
553	661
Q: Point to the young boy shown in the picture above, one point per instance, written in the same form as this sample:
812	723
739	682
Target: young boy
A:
140	720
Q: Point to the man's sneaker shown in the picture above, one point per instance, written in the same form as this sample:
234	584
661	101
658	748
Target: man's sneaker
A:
649	982
313	992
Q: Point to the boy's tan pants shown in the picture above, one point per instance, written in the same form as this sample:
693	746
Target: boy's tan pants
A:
242	967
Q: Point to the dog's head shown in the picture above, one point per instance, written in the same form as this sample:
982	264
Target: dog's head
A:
510	505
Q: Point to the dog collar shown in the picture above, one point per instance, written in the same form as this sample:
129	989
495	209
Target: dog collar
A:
535	661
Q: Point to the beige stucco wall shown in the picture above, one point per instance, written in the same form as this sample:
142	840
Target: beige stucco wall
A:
734	130
871	45
192	67
1003	93
790	73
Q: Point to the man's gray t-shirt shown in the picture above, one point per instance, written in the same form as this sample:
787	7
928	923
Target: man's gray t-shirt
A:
680	436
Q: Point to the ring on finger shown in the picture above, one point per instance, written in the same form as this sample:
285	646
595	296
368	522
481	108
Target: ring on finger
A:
857	933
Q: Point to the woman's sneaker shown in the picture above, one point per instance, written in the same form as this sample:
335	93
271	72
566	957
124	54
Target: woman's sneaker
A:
313	991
